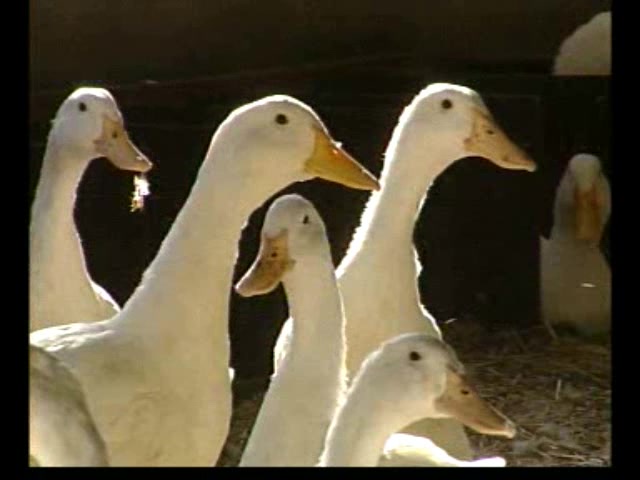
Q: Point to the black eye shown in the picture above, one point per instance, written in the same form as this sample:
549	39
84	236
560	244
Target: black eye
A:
490	131
114	135
281	119
82	107
464	392
305	220
414	356
446	104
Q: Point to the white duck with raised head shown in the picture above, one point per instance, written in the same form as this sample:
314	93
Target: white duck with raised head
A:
378	277
575	281
87	125
303	393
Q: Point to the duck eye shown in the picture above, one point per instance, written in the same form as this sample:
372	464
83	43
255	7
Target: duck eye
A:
464	391
281	119
82	107
114	135
446	104
414	356
305	219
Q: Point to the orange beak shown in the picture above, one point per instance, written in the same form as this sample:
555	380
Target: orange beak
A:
460	401
588	215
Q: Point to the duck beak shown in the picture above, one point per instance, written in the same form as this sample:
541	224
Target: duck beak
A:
114	143
487	140
268	268
462	402
588	215
330	162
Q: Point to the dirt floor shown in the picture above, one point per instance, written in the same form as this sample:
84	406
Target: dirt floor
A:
558	392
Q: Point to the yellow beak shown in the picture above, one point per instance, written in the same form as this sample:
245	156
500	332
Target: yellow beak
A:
461	402
268	268
332	163
487	140
114	143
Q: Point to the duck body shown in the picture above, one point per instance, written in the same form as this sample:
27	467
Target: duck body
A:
575	286
575	278
402	450
145	406
62	432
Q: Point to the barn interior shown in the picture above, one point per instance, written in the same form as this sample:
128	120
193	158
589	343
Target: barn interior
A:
177	69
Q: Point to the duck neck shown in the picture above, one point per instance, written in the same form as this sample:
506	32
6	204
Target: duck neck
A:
54	243
564	218
384	240
360	429
184	294
388	220
315	306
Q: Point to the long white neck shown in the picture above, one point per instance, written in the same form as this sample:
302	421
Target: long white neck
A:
387	224
316	308
54	243
384	243
183	296
361	427
290	430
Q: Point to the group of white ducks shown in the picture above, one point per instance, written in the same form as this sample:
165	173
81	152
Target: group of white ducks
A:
359	361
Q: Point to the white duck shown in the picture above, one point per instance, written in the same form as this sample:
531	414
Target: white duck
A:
156	375
303	394
310	383
575	277
87	125
443	124
61	430
410	377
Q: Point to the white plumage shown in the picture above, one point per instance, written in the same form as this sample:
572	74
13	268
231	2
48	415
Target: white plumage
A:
378	277
62	432
309	386
87	125
587	51
156	375
575	277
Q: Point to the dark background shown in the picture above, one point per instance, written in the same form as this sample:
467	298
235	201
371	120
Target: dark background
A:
177	68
